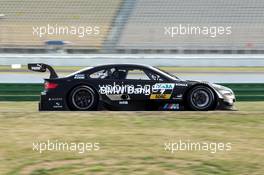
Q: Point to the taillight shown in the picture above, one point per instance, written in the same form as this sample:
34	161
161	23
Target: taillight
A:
50	85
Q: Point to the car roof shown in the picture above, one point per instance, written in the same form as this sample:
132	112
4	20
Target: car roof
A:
109	65
125	64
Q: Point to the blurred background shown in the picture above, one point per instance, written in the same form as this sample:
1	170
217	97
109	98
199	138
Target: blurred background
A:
132	26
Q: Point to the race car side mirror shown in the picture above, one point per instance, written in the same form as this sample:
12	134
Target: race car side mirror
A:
37	67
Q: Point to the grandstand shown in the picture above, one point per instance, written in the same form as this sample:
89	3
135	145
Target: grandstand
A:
22	15
145	27
135	26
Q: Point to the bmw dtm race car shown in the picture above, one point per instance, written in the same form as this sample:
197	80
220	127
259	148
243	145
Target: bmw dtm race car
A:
128	87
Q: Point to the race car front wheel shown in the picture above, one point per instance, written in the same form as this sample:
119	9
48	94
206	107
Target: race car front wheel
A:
83	98
201	98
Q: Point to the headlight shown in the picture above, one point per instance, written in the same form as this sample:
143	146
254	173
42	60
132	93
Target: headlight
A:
226	92
223	90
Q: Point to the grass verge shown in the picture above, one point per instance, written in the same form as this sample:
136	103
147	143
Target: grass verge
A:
131	142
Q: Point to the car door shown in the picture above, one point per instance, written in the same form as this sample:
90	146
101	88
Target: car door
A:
150	89
108	85
118	92
139	85
147	85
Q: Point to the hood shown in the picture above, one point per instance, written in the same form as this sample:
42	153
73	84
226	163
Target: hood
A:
219	89
222	89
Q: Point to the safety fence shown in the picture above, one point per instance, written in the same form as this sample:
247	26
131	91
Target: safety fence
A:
31	92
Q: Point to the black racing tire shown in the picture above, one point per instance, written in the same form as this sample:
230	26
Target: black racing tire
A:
201	98
83	98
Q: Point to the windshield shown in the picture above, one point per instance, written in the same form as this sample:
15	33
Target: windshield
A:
170	74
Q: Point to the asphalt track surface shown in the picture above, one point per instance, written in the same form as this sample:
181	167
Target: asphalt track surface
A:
22	76
206	60
183	60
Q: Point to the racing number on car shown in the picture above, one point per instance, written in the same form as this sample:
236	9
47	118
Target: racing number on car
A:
162	91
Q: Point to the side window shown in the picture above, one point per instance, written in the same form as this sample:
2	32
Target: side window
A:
137	74
122	74
154	76
111	73
101	74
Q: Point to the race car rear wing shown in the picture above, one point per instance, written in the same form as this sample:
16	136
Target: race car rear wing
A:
40	67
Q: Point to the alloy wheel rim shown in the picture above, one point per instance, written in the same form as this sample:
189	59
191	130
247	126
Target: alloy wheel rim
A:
83	99
200	99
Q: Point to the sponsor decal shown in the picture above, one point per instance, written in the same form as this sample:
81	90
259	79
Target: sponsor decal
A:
179	96
171	106
56	102
123	102
160	96
163	86
55	99
79	76
162	91
156	91
124	89
37	67
57	105
181	84
116	97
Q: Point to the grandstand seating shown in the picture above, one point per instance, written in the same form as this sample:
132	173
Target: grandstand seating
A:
21	15
145	27
140	30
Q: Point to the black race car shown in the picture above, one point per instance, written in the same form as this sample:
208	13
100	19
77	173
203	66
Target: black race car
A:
129	87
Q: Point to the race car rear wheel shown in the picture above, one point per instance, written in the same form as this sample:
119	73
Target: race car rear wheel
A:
83	98
201	98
